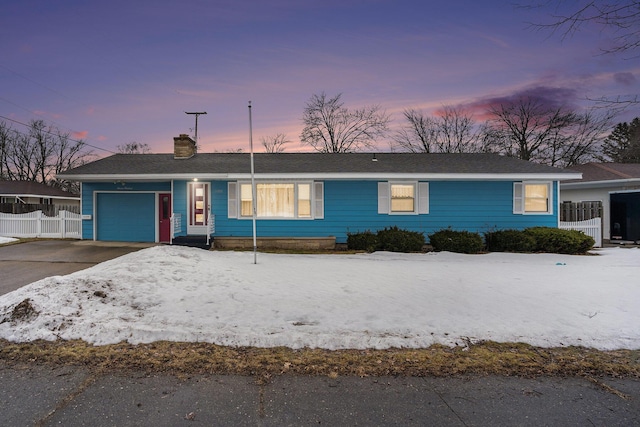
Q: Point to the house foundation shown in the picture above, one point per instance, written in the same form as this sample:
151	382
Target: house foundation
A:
298	243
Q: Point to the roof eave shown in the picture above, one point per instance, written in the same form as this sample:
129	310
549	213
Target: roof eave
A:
600	184
327	176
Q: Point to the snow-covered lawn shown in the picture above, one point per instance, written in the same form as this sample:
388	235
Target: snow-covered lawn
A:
4	240
377	300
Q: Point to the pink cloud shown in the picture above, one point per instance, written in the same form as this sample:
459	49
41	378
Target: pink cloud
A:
80	134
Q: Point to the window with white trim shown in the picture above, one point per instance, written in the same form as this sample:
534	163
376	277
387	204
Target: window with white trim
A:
277	200
398	198
532	197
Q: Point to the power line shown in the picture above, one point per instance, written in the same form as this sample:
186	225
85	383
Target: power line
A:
51	133
34	82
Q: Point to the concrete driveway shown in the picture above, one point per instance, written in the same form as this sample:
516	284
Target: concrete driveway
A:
24	263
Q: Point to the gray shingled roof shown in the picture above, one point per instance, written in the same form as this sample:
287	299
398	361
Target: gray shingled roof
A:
299	163
23	188
592	172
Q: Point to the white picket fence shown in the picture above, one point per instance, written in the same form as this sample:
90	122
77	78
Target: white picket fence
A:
66	225
591	227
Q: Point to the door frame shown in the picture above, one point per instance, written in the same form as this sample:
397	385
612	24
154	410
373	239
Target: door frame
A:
164	218
198	229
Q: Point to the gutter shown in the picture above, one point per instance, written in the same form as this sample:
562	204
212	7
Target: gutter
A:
601	184
326	176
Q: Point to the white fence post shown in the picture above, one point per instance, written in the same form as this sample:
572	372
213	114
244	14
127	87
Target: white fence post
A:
590	227
63	224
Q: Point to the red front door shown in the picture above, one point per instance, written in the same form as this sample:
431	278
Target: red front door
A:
164	219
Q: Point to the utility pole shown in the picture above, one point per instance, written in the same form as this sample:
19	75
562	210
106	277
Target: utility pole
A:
254	197
197	114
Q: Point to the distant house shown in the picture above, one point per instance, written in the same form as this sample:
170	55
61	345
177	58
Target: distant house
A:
617	186
306	196
34	193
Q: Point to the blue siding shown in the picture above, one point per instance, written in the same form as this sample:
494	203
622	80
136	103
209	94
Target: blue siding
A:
352	206
180	203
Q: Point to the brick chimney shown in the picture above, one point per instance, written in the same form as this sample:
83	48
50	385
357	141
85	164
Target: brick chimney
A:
184	147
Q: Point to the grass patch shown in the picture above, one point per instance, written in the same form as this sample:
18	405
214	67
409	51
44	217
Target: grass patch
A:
485	358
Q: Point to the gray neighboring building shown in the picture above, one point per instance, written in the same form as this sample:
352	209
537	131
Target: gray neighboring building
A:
617	186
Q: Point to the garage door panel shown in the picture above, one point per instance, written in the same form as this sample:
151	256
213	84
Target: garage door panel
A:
126	217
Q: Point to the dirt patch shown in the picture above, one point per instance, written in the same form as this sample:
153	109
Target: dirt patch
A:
23	312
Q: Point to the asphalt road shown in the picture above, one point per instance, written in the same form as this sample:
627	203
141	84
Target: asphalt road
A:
75	396
28	262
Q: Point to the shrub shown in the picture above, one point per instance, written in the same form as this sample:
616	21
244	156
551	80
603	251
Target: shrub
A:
394	239
464	242
390	239
509	241
365	241
555	240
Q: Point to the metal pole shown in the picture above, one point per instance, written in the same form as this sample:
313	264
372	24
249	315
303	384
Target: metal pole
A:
253	191
196	114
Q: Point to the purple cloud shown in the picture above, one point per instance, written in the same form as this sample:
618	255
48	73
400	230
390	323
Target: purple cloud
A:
546	97
626	79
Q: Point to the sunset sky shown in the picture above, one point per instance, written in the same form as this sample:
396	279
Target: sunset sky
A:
113	72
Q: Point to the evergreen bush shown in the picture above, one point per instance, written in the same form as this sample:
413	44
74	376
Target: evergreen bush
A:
363	241
509	241
464	242
390	239
556	240
394	239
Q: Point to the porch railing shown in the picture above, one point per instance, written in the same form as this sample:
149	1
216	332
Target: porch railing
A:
176	225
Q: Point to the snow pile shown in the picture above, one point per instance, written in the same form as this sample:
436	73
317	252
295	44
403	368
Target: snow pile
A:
377	300
4	240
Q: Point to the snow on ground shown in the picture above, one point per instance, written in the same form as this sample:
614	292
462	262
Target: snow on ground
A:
377	300
4	240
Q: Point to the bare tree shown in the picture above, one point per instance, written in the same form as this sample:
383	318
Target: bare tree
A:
39	154
419	134
557	136
583	138
275	143
134	148
621	17
451	132
330	127
457	131
5	143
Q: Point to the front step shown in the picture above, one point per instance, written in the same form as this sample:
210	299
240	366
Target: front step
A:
193	242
